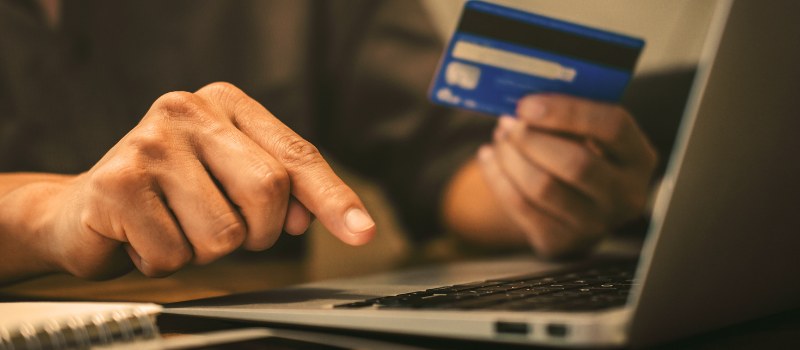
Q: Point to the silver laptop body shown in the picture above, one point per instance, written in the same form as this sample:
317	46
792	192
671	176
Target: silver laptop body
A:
724	241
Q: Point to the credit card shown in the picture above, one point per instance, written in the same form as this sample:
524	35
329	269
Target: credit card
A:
499	54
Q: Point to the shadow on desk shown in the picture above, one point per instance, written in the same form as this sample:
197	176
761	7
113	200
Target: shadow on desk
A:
222	278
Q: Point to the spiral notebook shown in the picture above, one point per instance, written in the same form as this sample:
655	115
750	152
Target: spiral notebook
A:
129	326
63	325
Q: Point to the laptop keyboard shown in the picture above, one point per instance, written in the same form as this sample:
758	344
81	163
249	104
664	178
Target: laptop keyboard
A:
590	289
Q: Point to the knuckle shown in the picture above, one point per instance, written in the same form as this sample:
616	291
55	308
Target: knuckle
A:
151	143
178	104
228	237
225	93
266	184
119	175
221	88
177	260
338	193
179	107
166	265
298	152
229	99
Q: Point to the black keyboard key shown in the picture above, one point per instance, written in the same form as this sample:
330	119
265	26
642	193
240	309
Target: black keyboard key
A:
591	281
437	300
517	278
477	284
479	292
453	289
621	286
472	293
434	301
568	285
356	305
483	302
400	299
501	288
524	284
535	291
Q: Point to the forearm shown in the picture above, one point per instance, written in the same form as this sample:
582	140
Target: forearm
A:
24	217
470	210
12	181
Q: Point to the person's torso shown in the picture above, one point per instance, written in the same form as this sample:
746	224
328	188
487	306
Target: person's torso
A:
68	94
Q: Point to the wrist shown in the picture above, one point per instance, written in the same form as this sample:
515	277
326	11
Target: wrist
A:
27	224
474	213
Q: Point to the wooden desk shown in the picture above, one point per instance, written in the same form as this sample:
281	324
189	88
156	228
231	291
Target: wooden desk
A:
221	278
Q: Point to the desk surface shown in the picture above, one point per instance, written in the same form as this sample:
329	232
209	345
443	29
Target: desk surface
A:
193	282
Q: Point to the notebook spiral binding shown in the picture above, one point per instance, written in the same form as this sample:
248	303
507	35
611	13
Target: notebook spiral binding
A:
118	326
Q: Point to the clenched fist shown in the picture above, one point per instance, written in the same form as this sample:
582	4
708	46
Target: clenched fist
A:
202	174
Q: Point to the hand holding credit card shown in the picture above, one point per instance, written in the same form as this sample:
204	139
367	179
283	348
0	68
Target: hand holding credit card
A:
498	55
573	165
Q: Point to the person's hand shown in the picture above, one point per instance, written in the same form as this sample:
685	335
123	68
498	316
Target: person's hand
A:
201	175
568	170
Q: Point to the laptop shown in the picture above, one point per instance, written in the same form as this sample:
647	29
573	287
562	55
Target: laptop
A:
721	247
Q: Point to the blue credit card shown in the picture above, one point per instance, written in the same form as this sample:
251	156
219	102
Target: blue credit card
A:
499	54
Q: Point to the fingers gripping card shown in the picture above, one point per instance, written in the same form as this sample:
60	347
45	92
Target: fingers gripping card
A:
498	55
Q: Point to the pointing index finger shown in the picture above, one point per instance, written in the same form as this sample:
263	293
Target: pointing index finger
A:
313	182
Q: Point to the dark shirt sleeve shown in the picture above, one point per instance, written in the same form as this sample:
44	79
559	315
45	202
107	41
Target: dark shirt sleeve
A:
376	117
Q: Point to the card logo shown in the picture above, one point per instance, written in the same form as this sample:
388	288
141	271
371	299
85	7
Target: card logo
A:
462	75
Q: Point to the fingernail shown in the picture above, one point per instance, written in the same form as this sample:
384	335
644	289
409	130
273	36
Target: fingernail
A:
504	126
532	108
507	123
484	153
357	221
